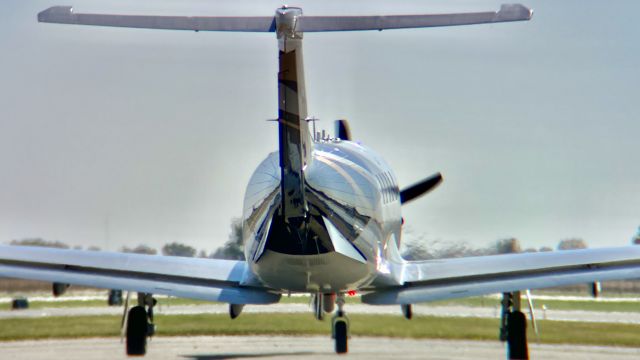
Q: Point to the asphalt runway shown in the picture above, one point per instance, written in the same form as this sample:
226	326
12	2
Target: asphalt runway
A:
303	347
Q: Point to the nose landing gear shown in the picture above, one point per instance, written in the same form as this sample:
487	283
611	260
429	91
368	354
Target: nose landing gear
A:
340	327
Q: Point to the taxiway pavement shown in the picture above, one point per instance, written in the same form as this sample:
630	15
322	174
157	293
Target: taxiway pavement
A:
296	347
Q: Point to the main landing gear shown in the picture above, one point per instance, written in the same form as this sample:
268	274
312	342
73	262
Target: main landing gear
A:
139	324
340	327
513	328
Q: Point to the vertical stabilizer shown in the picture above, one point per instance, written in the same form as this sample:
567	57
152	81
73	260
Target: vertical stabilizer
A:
294	137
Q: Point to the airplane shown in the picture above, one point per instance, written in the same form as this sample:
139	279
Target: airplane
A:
322	214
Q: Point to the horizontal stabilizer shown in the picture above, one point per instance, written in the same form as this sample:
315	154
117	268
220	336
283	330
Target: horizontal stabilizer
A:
416	190
508	12
65	15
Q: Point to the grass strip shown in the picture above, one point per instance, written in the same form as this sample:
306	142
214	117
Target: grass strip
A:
587	305
168	301
584	305
559	332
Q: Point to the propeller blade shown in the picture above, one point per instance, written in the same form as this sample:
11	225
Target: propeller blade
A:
534	324
418	189
125	315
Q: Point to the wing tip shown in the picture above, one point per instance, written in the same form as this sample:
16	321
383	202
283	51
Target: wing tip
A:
514	12
55	13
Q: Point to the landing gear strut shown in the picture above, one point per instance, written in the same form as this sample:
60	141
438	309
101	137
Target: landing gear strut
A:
513	327
340	327
140	324
318	306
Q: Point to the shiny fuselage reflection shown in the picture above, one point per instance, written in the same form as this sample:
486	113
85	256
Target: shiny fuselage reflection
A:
353	220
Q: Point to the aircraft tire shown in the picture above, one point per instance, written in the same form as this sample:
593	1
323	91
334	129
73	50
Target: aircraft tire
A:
340	333
517	335
137	327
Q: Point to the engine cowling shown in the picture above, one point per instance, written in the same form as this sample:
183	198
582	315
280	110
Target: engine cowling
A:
235	310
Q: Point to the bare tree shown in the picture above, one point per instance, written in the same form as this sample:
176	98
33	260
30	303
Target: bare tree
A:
508	246
140	249
233	248
418	248
572	244
40	242
416	251
177	249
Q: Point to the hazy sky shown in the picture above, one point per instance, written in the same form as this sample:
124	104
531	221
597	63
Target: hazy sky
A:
114	137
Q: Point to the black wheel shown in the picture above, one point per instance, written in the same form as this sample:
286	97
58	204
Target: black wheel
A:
517	335
340	333
137	327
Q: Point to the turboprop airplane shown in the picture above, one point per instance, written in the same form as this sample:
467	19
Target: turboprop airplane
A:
322	215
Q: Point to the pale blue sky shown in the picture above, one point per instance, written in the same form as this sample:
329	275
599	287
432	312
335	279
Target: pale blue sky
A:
534	125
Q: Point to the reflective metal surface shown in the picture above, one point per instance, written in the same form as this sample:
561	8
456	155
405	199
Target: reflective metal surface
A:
353	210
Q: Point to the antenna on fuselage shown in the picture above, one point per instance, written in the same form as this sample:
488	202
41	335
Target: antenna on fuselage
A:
313	120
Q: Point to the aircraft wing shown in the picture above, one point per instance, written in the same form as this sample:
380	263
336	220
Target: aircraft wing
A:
462	277
205	279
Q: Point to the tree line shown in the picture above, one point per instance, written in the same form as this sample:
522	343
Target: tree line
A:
232	249
420	249
416	248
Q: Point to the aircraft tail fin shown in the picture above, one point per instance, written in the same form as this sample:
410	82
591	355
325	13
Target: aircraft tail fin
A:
294	137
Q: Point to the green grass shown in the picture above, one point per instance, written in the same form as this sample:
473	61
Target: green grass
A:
59	304
99	303
586	305
304	324
161	300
